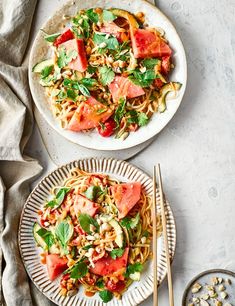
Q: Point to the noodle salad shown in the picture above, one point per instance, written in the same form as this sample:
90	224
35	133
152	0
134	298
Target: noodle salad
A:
108	71
95	232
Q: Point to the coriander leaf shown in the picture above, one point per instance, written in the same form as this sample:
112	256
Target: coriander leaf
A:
131	269
100	283
106	75
47	236
51	37
108	16
144	79
76	32
93	192
64	231
71	94
91	69
116	253
111	42
142	119
65	58
106	296
120	111
85	221
84	90
130	223
46	71
79	270
150	62
89	82
61	96
93	16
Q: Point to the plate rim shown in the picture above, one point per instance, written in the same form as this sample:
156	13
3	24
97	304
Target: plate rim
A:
85	160
89	145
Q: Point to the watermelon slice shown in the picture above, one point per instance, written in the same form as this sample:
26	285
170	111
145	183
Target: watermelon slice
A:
67	35
55	265
108	265
126	196
148	44
88	115
122	87
84	205
113	29
80	62
166	64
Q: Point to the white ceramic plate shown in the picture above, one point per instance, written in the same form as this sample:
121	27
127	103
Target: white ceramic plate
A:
91	139
121	170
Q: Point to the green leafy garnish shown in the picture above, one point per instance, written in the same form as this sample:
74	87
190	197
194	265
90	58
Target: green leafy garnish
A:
108	16
137	117
106	75
100	283
89	83
116	253
63	232
47	236
51	37
91	69
131	269
83	24
84	90
145	234
94	192
71	94
87	247
130	223
66	57
106	296
143	79
85	221
46	71
150	62
93	16
110	43
79	270
59	198
76	85
120	111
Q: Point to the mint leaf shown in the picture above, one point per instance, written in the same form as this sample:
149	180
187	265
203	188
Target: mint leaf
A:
64	231
131	269
150	62
79	270
51	37
47	236
106	75
120	111
93	192
108	16
85	221
116	253
46	71
106	296
93	16
55	203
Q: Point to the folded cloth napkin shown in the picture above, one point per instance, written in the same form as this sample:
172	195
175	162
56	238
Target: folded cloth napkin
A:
16	169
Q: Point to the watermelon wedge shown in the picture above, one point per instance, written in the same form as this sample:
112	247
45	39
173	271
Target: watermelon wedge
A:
125	196
67	35
122	87
55	265
108	265
80	62
113	29
84	205
88	115
149	44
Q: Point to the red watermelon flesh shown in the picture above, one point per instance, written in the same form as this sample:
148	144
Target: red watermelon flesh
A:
126	196
88	115
108	265
148	44
55	265
67	35
112	28
84	205
122	87
80	62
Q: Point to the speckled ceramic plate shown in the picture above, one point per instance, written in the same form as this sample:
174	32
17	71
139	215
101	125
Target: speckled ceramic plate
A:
205	278
121	170
91	139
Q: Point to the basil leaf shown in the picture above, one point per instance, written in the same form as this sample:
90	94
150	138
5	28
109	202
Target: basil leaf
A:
106	75
100	283
116	253
120	111
85	221
55	203
130	223
93	192
79	270
106	296
51	37
64	231
84	90
131	269
93	16
150	62
47	236
111	42
46	71
108	16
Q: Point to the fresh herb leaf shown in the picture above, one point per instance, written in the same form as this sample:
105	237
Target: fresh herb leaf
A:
93	16
101	110
84	90
108	16
131	269
85	221
76	32
130	223
111	42
47	236
71	94
106	296
59	198
91	69
116	253
106	75
51	37
64	231
120	111
146	234
100	283
46	71
143	79
150	62
89	83
94	192
142	119
61	96
79	270
66	57
87	247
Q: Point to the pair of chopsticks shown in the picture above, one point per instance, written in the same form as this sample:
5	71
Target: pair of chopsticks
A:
164	226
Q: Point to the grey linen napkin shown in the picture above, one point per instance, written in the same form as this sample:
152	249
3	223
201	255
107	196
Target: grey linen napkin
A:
16	169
